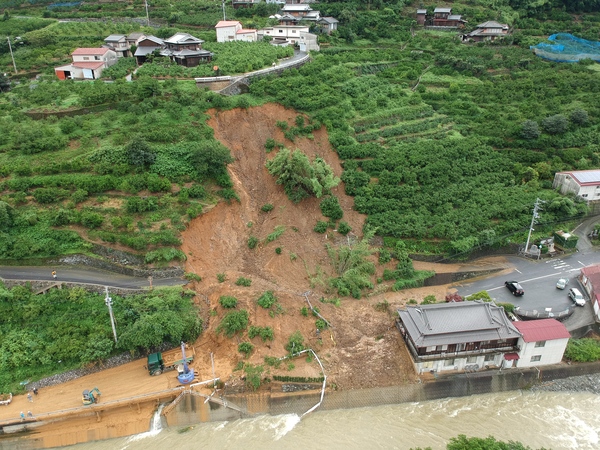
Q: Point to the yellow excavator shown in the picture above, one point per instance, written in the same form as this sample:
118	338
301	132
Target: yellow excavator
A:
89	397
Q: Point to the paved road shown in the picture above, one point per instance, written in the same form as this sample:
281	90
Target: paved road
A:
583	229
85	275
538	279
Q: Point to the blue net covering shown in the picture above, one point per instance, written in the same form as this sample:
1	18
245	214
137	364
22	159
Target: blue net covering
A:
567	48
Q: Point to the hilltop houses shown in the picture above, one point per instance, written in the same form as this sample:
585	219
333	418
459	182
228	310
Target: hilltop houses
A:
487	31
442	18
186	50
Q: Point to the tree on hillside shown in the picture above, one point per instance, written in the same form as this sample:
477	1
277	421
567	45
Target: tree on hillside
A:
139	153
530	129
300	178
556	124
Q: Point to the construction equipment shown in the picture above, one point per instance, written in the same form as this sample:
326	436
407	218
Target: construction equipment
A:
161	362
90	397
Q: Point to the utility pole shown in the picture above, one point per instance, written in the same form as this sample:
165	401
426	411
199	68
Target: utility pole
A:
11	54
147	16
108	302
536	207
223	4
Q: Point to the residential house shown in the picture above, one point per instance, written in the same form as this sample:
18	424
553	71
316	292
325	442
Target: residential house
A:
542	342
585	184
186	50
308	42
458	336
118	43
590	280
327	24
231	30
134	38
246	35
443	17
243	3
226	30
487	31
283	34
87	64
145	46
301	11
421	16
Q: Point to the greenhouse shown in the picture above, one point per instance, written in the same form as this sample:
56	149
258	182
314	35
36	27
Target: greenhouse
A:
567	48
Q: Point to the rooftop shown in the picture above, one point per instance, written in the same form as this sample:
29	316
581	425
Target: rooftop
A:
227	23
115	38
88	64
492	24
454	323
542	330
584	177
442	10
593	274
90	51
183	38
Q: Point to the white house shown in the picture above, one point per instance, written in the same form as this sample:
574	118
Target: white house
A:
289	33
226	30
308	42
464	336
583	183
543	342
87	64
246	35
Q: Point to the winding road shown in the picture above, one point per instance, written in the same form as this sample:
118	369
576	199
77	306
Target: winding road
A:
83	275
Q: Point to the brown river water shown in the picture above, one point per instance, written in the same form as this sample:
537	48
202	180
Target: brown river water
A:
554	420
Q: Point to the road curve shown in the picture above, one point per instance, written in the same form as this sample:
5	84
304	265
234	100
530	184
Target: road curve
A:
84	275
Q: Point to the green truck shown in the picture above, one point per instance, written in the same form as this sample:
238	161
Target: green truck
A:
169	360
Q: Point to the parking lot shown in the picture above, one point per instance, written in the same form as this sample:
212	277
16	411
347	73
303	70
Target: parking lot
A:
538	279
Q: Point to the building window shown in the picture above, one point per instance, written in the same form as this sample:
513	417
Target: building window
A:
86	58
471	359
489	357
97	58
584	195
536	358
539	344
449	362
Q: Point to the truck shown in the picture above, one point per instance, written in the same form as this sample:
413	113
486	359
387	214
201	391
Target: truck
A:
172	359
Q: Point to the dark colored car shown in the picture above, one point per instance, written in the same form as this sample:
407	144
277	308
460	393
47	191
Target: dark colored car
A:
514	287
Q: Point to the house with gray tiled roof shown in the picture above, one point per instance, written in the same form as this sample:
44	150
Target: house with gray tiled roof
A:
464	336
487	31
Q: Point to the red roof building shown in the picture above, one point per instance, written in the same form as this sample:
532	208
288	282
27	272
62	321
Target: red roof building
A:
543	342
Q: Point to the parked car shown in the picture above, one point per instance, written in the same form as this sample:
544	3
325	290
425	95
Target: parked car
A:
562	283
576	296
514	287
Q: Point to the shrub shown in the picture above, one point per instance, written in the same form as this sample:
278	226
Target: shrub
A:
227	301
278	250
91	219
344	228
580	117
265	333
252	242
429	300
556	124
245	348
583	350
320	227
320	324
530	130
270	145
304	311
295	343
166	254
221	277
267	300
241	281
267	207
49	195
278	231
233	322
192	276
330	207
481	295
253	375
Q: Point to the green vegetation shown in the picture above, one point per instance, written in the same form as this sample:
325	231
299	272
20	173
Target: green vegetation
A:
241	281
267	300
278	231
481	295
228	301
300	178
265	333
246	348
330	207
252	242
233	322
253	375
583	350
343	228
321	227
69	328
221	277
295	343
267	207
192	276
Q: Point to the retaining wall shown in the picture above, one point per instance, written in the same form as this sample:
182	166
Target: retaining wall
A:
193	410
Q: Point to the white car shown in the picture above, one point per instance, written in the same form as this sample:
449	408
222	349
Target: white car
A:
576	296
562	283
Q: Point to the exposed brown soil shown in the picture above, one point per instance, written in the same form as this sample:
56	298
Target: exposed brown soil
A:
362	349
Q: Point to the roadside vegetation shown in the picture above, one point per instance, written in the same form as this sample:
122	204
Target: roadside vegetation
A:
64	329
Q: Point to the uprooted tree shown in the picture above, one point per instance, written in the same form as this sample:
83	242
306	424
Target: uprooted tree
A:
300	178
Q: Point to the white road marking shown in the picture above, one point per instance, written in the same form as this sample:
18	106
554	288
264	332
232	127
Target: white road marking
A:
561	266
581	263
526	281
518	271
574	270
